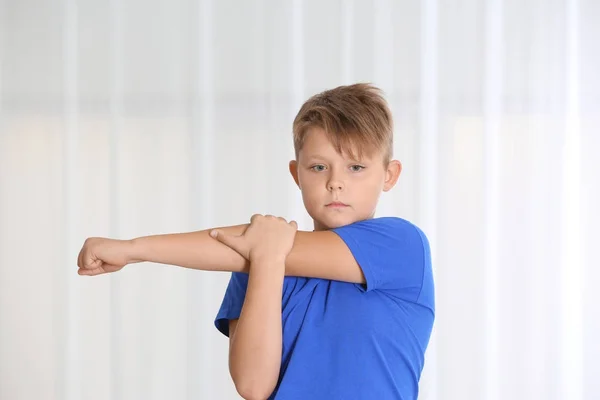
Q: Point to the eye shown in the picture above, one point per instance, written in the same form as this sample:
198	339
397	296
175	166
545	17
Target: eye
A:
318	168
357	168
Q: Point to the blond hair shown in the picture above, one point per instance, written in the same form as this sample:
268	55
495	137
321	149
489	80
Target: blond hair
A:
356	119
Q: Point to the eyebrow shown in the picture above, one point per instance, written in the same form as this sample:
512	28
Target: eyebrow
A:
325	158
317	156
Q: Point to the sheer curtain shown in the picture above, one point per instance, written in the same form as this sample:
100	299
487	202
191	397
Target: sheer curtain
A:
130	118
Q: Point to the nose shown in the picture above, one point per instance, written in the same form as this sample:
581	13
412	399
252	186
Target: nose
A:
335	184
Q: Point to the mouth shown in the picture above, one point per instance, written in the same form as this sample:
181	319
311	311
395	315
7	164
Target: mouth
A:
336	204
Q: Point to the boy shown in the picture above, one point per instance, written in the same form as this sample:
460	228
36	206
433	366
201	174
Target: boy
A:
343	312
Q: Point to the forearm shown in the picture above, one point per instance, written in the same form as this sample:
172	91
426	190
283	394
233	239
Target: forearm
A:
255	352
195	250
314	254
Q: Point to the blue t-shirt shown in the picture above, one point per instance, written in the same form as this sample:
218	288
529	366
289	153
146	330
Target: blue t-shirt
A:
345	340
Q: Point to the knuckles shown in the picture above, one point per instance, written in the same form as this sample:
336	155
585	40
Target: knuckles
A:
259	219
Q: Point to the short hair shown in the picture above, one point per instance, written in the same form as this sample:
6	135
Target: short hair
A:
356	119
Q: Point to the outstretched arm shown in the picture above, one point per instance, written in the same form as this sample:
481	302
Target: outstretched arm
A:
196	250
321	254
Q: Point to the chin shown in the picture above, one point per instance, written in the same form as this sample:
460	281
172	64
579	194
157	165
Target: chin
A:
333	222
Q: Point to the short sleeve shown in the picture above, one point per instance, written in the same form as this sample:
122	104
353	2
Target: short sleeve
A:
231	306
391	252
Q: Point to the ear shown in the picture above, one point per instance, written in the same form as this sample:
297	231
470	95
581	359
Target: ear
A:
294	171
392	174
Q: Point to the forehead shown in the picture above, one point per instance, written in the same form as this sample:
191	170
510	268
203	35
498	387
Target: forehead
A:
317	143
316	138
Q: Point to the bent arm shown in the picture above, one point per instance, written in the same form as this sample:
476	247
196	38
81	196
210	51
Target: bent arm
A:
321	254
256	343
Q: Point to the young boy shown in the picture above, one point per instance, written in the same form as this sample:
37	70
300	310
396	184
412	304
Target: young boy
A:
343	312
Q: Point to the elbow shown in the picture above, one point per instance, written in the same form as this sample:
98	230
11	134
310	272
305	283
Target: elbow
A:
254	392
256	379
254	389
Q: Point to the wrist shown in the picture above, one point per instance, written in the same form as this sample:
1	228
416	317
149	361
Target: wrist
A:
134	250
268	261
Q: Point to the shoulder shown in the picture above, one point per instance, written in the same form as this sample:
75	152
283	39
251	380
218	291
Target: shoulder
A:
392	251
401	234
393	221
389	225
390	235
406	230
407	226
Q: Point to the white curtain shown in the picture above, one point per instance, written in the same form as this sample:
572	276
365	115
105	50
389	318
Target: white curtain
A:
137	117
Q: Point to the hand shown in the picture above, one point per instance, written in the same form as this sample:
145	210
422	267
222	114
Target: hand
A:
102	255
267	237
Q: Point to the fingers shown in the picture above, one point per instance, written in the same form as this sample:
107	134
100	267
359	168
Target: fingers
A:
91	263
231	241
257	217
83	258
80	255
91	272
269	216
102	269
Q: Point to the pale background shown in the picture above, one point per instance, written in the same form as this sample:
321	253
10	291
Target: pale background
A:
136	117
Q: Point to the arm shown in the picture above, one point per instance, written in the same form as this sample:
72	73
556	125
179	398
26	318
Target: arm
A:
321	254
256	338
196	250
